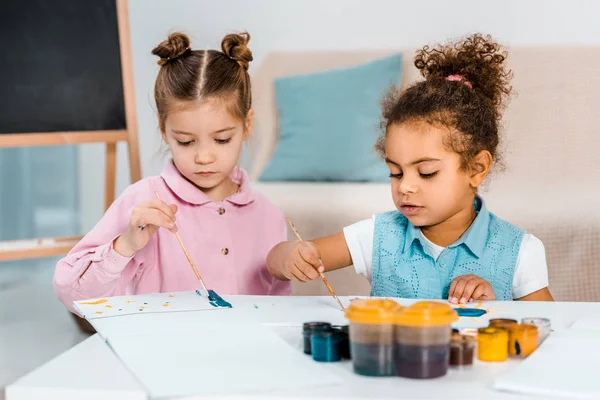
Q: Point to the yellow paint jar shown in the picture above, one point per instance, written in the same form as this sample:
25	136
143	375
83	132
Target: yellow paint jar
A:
492	344
522	339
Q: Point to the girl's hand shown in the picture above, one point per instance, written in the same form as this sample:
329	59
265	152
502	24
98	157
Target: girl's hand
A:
144	222
468	288
295	261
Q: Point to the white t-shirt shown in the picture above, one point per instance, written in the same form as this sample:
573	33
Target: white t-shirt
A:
531	272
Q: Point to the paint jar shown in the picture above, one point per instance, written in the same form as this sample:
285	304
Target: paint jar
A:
492	344
325	345
462	350
522	339
372	336
423	339
345	342
502	322
543	324
307	330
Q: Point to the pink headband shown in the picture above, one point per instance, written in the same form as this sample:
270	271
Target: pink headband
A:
459	78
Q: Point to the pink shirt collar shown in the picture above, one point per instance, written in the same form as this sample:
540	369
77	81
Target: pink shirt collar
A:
191	194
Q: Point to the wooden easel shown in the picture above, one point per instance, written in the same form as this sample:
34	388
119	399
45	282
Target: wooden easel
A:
22	249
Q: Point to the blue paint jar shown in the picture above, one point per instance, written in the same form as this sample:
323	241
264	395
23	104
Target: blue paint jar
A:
326	345
307	330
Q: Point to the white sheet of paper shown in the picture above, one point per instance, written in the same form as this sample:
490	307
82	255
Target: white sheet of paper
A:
566	365
588	323
218	359
84	380
294	311
142	304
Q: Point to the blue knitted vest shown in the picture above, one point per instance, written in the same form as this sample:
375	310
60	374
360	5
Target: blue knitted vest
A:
403	269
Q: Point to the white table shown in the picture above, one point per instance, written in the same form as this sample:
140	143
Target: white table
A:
91	370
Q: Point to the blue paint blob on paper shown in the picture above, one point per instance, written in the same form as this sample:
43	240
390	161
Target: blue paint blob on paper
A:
470	312
215	300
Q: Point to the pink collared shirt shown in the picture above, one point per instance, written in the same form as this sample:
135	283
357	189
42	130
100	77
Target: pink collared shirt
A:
228	241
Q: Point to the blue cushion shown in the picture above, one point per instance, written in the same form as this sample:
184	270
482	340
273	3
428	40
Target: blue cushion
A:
329	122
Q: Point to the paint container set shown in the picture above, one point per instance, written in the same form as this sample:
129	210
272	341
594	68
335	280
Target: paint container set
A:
387	339
504	337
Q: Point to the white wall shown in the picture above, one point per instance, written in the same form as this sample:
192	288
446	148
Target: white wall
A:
320	24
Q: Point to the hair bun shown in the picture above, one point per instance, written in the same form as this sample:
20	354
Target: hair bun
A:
235	46
476	61
175	46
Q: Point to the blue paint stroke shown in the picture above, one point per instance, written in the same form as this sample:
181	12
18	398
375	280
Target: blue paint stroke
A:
470	312
255	306
215	300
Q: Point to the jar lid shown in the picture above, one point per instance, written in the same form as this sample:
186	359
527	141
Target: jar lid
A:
492	330
373	311
427	313
316	326
522	328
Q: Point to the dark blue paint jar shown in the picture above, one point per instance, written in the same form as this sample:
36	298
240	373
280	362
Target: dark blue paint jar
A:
307	330
344	342
326	345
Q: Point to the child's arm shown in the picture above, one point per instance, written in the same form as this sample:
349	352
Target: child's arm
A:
530	281
299	261
94	267
540	295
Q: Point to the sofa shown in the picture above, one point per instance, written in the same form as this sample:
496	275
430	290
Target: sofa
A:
550	146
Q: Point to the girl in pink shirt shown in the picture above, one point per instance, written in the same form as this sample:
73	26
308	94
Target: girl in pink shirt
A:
203	101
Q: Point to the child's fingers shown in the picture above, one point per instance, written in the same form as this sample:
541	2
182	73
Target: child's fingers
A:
309	254
471	285
306	268
164	207
455	295
452	289
301	274
298	275
479	291
157	218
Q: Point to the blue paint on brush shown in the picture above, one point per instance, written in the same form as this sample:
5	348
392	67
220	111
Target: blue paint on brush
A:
469	312
215	300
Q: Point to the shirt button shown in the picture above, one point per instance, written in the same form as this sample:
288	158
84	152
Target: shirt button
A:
221	211
225	251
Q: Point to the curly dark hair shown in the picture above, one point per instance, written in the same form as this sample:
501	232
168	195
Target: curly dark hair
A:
465	89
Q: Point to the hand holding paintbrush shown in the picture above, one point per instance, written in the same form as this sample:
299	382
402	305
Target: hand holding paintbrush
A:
319	268
144	222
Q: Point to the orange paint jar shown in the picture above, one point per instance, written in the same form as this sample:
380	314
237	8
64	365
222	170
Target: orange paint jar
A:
522	339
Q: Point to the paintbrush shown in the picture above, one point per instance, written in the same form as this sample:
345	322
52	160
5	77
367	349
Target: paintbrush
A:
187	255
320	273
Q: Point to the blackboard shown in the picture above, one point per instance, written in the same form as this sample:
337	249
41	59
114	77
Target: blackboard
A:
66	77
61	67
